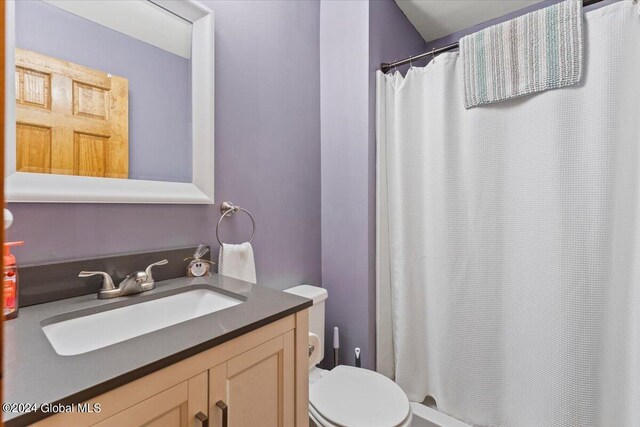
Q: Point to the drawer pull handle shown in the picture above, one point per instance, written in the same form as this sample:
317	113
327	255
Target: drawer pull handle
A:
204	420
225	412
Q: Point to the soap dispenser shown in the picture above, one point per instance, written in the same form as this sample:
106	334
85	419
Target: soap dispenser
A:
10	283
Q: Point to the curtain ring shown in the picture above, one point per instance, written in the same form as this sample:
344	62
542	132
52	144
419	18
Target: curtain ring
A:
433	54
410	61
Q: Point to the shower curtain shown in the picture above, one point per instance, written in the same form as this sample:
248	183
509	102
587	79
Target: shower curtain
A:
509	241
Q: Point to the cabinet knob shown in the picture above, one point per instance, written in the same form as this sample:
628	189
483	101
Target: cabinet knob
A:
204	420
225	415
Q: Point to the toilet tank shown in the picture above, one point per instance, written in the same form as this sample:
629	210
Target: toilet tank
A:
316	312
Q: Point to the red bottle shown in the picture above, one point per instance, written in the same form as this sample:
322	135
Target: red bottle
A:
10	282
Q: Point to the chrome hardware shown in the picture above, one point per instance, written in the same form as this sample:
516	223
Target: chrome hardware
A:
311	349
228	206
134	283
228	209
385	67
225	409
147	271
107	282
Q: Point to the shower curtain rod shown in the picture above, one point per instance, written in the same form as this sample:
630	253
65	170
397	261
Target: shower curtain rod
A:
387	66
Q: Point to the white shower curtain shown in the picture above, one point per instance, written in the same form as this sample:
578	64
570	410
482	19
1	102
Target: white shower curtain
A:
509	241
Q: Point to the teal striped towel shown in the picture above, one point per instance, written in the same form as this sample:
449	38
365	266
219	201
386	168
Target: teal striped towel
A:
535	52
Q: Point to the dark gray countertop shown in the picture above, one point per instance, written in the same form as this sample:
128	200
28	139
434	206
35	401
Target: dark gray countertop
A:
35	373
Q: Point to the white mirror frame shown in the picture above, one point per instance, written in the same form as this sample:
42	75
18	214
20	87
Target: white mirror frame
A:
39	188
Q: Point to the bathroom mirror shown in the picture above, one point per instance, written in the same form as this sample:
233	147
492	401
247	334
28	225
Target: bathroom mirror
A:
113	101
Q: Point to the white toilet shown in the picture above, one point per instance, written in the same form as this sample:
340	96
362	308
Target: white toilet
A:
347	396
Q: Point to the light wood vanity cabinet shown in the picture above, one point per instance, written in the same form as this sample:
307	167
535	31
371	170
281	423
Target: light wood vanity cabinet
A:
257	386
257	379
174	407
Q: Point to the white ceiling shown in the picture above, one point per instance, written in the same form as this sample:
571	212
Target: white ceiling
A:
438	18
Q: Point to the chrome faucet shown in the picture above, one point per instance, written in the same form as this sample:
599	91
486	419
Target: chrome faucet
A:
134	283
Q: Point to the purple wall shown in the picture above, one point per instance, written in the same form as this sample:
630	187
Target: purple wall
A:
354	38
344	36
391	37
268	132
267	158
162	134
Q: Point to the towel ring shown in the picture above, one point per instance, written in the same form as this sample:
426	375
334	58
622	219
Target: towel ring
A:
228	209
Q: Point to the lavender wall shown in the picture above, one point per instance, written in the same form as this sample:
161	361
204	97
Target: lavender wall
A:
391	37
268	132
267	158
159	84
354	38
344	44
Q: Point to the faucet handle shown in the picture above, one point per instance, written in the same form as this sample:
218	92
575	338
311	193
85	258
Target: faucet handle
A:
147	271
107	282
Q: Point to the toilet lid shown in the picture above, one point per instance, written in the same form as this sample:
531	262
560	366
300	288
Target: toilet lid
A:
349	396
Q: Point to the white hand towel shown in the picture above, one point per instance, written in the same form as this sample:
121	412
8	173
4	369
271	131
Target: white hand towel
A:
237	261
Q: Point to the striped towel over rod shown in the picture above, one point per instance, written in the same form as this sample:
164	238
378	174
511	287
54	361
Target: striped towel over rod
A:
535	52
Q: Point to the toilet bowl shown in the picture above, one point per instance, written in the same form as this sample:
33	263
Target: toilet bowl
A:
346	396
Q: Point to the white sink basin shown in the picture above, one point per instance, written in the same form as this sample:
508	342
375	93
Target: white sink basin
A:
94	331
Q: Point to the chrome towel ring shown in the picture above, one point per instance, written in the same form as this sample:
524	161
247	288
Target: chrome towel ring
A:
228	209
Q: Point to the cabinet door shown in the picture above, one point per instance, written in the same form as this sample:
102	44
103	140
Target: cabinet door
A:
257	387
174	407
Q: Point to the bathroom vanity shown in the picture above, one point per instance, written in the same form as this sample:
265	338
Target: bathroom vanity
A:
240	364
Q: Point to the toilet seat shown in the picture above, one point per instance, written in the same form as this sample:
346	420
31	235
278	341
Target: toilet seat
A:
320	421
354	397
